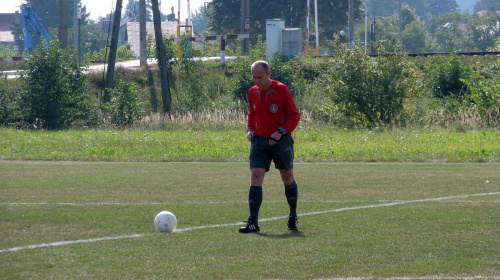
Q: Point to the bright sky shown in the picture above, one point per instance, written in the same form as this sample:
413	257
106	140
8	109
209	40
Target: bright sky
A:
99	8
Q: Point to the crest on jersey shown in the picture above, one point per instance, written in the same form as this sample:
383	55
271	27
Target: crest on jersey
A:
273	108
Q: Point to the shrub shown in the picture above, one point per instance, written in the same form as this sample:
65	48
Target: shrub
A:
124	107
446	75
367	91
55	91
10	112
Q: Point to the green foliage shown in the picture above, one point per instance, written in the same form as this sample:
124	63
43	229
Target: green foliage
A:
483	5
485	95
55	91
242	79
123	53
446	75
7	51
10	112
124	107
369	91
223	20
484	30
414	38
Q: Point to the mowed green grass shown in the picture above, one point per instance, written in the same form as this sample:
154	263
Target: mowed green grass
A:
375	220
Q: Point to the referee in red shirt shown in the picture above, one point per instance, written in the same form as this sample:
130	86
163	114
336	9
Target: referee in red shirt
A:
272	117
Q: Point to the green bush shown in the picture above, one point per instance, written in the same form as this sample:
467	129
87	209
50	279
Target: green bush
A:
124	107
123	53
446	74
367	91
56	92
10	112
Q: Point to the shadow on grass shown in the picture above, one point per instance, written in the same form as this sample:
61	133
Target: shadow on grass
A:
290	234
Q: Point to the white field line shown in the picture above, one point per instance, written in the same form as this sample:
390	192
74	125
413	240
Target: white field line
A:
61	243
418	278
217	202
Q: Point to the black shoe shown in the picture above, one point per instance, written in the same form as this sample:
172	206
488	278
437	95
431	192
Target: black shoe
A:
250	227
293	224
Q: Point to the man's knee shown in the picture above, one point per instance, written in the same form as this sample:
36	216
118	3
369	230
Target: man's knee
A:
287	176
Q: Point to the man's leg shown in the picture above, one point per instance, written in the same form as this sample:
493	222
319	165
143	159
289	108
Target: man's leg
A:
255	192
254	200
291	193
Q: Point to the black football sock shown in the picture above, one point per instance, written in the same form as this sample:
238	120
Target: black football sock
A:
292	193
254	201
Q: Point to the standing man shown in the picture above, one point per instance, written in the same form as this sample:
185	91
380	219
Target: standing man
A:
272	116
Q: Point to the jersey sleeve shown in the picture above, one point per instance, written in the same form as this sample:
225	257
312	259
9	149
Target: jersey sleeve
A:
251	114
292	116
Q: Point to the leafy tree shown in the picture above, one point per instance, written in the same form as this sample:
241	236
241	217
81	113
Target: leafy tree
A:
380	8
414	38
484	30
123	53
483	5
6	51
418	5
222	18
447	75
200	21
92	37
437	7
369	91
56	90
47	11
423	8
451	38
124	107
133	9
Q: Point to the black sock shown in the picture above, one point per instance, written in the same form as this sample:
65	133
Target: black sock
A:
292	194
254	201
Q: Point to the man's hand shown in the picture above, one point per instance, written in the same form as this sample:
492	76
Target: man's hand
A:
249	135
275	137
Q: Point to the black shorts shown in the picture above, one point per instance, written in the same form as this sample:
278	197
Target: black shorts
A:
261	153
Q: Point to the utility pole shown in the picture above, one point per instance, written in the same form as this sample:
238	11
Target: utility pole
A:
76	23
63	23
351	22
400	23
245	24
112	51
142	33
162	60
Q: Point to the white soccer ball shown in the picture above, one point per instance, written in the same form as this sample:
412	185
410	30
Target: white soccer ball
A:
165	221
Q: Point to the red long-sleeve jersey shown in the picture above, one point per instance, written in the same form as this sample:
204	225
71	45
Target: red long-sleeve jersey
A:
271	109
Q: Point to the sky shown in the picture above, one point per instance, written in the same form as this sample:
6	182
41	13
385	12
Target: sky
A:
99	8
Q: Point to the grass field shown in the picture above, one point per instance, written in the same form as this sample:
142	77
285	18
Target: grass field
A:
368	220
220	143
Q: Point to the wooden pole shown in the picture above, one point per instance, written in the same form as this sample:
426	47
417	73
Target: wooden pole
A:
162	60
142	33
112	51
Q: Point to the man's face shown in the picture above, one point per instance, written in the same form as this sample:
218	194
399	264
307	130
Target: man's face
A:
261	77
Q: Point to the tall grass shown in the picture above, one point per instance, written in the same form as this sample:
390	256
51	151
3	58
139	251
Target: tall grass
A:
219	142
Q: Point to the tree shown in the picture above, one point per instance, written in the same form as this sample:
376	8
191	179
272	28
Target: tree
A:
222	18
436	7
483	5
484	30
200	21
47	10
414	38
451	38
370	91
132	10
55	88
380	8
